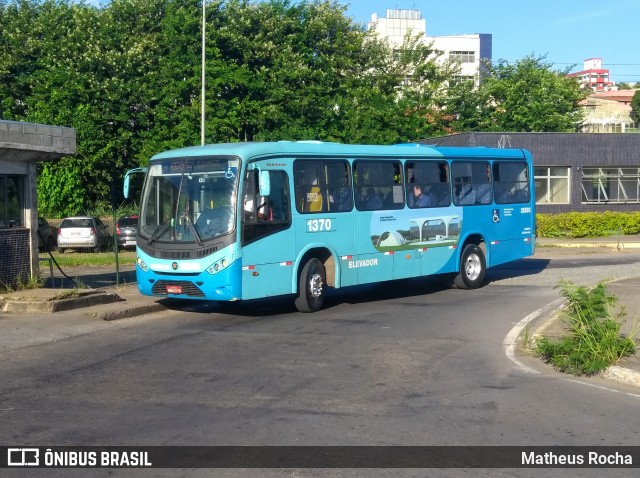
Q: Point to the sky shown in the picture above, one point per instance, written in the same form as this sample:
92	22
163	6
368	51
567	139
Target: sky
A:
566	31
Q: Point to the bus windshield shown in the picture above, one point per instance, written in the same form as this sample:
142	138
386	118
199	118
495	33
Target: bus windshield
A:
189	200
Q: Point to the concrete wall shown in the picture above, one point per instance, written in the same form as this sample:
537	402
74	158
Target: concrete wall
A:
35	142
22	145
574	150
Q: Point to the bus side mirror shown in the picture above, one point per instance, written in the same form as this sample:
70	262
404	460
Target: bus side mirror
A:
264	183
125	189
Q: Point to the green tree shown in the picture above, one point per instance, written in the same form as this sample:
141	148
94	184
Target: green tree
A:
126	76
528	95
635	108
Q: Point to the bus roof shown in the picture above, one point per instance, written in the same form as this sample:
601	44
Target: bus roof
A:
315	148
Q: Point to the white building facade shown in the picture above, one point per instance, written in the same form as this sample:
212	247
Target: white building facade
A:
471	51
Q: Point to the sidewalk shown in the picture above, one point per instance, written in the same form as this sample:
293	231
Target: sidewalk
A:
612	243
108	303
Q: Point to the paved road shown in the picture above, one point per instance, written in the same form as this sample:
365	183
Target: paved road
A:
403	363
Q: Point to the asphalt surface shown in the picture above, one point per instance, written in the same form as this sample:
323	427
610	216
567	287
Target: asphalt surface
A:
36	307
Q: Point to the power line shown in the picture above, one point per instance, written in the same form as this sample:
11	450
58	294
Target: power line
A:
604	64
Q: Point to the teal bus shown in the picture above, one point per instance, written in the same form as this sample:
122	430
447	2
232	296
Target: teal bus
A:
242	221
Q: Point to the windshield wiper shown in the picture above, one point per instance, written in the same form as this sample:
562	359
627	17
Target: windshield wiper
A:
192	227
159	232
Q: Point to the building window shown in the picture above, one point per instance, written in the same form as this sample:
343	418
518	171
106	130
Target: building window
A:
610	185
552	185
457	79
11	201
463	56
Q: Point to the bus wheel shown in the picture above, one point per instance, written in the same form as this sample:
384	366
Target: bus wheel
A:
311	288
472	268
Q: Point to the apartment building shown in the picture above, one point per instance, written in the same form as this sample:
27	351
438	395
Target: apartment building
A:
593	76
469	50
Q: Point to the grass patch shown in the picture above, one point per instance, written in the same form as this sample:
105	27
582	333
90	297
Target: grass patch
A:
30	283
594	342
76	259
67	294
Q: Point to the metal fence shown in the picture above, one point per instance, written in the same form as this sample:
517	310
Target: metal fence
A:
55	274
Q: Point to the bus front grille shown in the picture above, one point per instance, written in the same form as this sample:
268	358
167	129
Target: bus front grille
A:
188	288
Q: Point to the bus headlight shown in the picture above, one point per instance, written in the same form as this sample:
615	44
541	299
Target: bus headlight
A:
141	264
218	266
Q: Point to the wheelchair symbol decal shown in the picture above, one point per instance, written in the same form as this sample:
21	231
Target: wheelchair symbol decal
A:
496	215
230	173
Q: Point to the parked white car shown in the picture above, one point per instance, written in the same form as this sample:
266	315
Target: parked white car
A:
83	232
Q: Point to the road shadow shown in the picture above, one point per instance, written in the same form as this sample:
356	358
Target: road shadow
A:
89	278
367	293
285	305
519	268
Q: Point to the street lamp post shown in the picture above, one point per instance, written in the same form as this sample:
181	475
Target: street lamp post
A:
203	72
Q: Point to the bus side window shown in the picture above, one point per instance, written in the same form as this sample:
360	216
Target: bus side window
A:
378	185
471	182
511	181
339	194
266	215
308	186
433	180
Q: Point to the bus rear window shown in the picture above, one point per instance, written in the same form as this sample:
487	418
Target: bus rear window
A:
511	182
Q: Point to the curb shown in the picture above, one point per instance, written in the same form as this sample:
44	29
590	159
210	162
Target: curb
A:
615	373
128	312
33	304
622	375
616	246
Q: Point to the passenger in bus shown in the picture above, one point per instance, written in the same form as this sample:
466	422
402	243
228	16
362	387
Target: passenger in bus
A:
483	189
465	194
340	195
419	198
370	201
340	199
483	194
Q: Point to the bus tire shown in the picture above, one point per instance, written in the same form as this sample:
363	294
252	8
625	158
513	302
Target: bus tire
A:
311	287
473	266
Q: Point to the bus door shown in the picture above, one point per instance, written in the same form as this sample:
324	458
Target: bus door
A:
268	245
513	214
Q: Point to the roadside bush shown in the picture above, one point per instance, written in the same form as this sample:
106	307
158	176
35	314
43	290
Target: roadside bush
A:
587	224
594	342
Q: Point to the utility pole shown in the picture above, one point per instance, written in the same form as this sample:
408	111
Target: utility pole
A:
203	71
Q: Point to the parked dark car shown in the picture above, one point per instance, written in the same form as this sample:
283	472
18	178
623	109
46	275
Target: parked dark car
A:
126	230
47	235
83	232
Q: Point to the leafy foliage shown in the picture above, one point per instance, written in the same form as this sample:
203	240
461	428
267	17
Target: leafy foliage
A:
528	95
635	108
587	224
127	77
594	342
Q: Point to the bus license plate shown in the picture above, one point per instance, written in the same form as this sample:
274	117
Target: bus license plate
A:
174	289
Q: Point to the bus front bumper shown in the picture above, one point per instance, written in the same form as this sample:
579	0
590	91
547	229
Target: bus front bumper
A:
222	286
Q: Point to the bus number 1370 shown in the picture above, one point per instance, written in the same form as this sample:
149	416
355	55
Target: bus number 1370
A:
318	225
